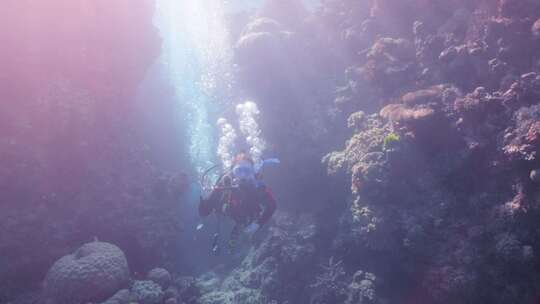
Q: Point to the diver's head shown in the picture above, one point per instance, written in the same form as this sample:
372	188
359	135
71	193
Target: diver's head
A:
243	170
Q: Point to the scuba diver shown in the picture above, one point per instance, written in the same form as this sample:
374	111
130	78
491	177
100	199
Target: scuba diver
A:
242	196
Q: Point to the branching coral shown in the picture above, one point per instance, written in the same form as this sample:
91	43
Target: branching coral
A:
330	286
362	288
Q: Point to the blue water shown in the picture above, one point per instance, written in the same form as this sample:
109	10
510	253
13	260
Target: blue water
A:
197	58
196	54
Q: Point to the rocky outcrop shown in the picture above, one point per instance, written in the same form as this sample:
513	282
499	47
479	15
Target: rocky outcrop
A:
75	162
276	269
419	166
160	276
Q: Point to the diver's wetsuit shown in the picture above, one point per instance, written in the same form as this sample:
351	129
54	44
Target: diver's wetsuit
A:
244	204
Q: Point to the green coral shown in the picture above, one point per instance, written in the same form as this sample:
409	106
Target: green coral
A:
390	141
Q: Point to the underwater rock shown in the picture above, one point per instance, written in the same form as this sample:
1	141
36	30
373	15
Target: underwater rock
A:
171	292
266	273
478	105
263	42
464	65
457	24
147	292
121	297
92	273
171	301
208	282
508	247
262	38
188	289
428	47
262	34
160	276
390	63
61	76
288	12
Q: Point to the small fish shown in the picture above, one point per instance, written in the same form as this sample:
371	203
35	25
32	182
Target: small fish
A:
215	244
200	226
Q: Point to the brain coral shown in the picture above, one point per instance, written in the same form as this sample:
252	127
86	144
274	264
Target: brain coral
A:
92	273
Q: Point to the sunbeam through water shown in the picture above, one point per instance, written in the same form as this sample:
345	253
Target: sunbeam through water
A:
197	52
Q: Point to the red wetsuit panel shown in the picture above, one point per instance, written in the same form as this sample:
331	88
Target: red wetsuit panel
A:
245	205
269	204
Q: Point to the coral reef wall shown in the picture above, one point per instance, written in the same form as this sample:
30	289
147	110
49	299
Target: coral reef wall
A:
74	162
441	98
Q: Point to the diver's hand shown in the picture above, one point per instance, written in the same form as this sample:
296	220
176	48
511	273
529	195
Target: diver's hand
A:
252	228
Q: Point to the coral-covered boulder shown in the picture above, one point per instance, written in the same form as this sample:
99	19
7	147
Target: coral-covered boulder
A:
390	63
188	290
92	273
263	38
147	292
290	13
160	276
